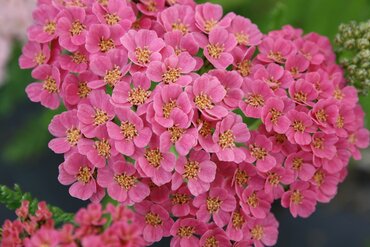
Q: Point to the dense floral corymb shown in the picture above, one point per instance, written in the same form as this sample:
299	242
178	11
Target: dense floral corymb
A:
158	96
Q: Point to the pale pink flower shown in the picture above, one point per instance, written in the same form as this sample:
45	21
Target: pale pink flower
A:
217	203
47	91
300	199
219	47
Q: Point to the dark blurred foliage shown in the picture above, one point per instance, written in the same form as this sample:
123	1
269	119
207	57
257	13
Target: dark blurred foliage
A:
25	158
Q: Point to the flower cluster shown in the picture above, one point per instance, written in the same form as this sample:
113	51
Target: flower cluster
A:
90	228
162	101
355	37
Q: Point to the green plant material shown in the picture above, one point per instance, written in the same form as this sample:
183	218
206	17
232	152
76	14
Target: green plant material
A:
12	199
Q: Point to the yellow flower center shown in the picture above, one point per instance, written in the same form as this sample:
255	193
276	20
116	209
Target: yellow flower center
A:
138	96
209	25
191	169
168	107
318	143
297	163
244	68
83	90
143	55
73	136
296	197
275	114
242	38
277	56
113	76
321	115
180	199
78	58
103	147
255	100
300	97
215	50
176	133
125	181
185	231
241	177
213	204
40	58
238	220
226	139
154	157
298	126
203	101
106	45
111	19
84	174
179	26
100	117
259	153
253	200
77	28
257	232
50	85
128	130
211	242
171	75
153	219
50	27
273	178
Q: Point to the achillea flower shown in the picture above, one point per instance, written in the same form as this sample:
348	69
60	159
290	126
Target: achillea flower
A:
44	30
77	61
33	55
275	50
228	132
273	75
47	91
181	202
322	145
151	7
259	148
255	202
95	114
218	49
131	134
301	125
263	232
208	16
122	183
216	237
300	199
273	115
115	13
301	164
245	32
326	185
198	170
65	127
296	64
78	171
217	203
184	232
303	92
178	18
236	225
102	38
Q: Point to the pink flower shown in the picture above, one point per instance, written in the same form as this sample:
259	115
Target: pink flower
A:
245	175
44	30
65	127
78	171
358	139
44	236
33	55
229	131
296	64
217	51
263	232
174	69
94	115
170	101
181	202
133	93
325	113
215	236
301	164
245	32
205	139
322	145
184	230
310	50
255	202
183	43
154	219
77	61
198	170
303	92
259	148
207	93
143	46
300	199
99	150
102	38
208	16
178	18
131	134
326	185
151	7
236	225
273	75
111	67
72	27
217	203
274	117
255	93
47	91
115	13
122	183
275	179
301	125
243	60
275	50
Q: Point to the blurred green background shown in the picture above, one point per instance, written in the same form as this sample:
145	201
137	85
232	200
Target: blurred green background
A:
25	158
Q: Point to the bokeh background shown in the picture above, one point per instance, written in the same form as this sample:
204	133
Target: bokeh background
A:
25	158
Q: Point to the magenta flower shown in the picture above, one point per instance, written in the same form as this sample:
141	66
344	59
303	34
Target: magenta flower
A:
143	46
198	170
184	232
208	17
94	115
122	183
275	50
154	220
131	134
207	93
301	125
157	165
300	199
99	150
259	148
274	117
33	55
169	98
214	236
178	18
228	132
218	49
273	75
236	225
47	91
78	171
114	13
245	32
183	43
217	203
111	67
263	232
72	27
303	92
102	38
255	202
133	93
77	61
325	113
181	202
255	95
232	82
65	127
76	90
174	69
44	30
245	175
301	164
